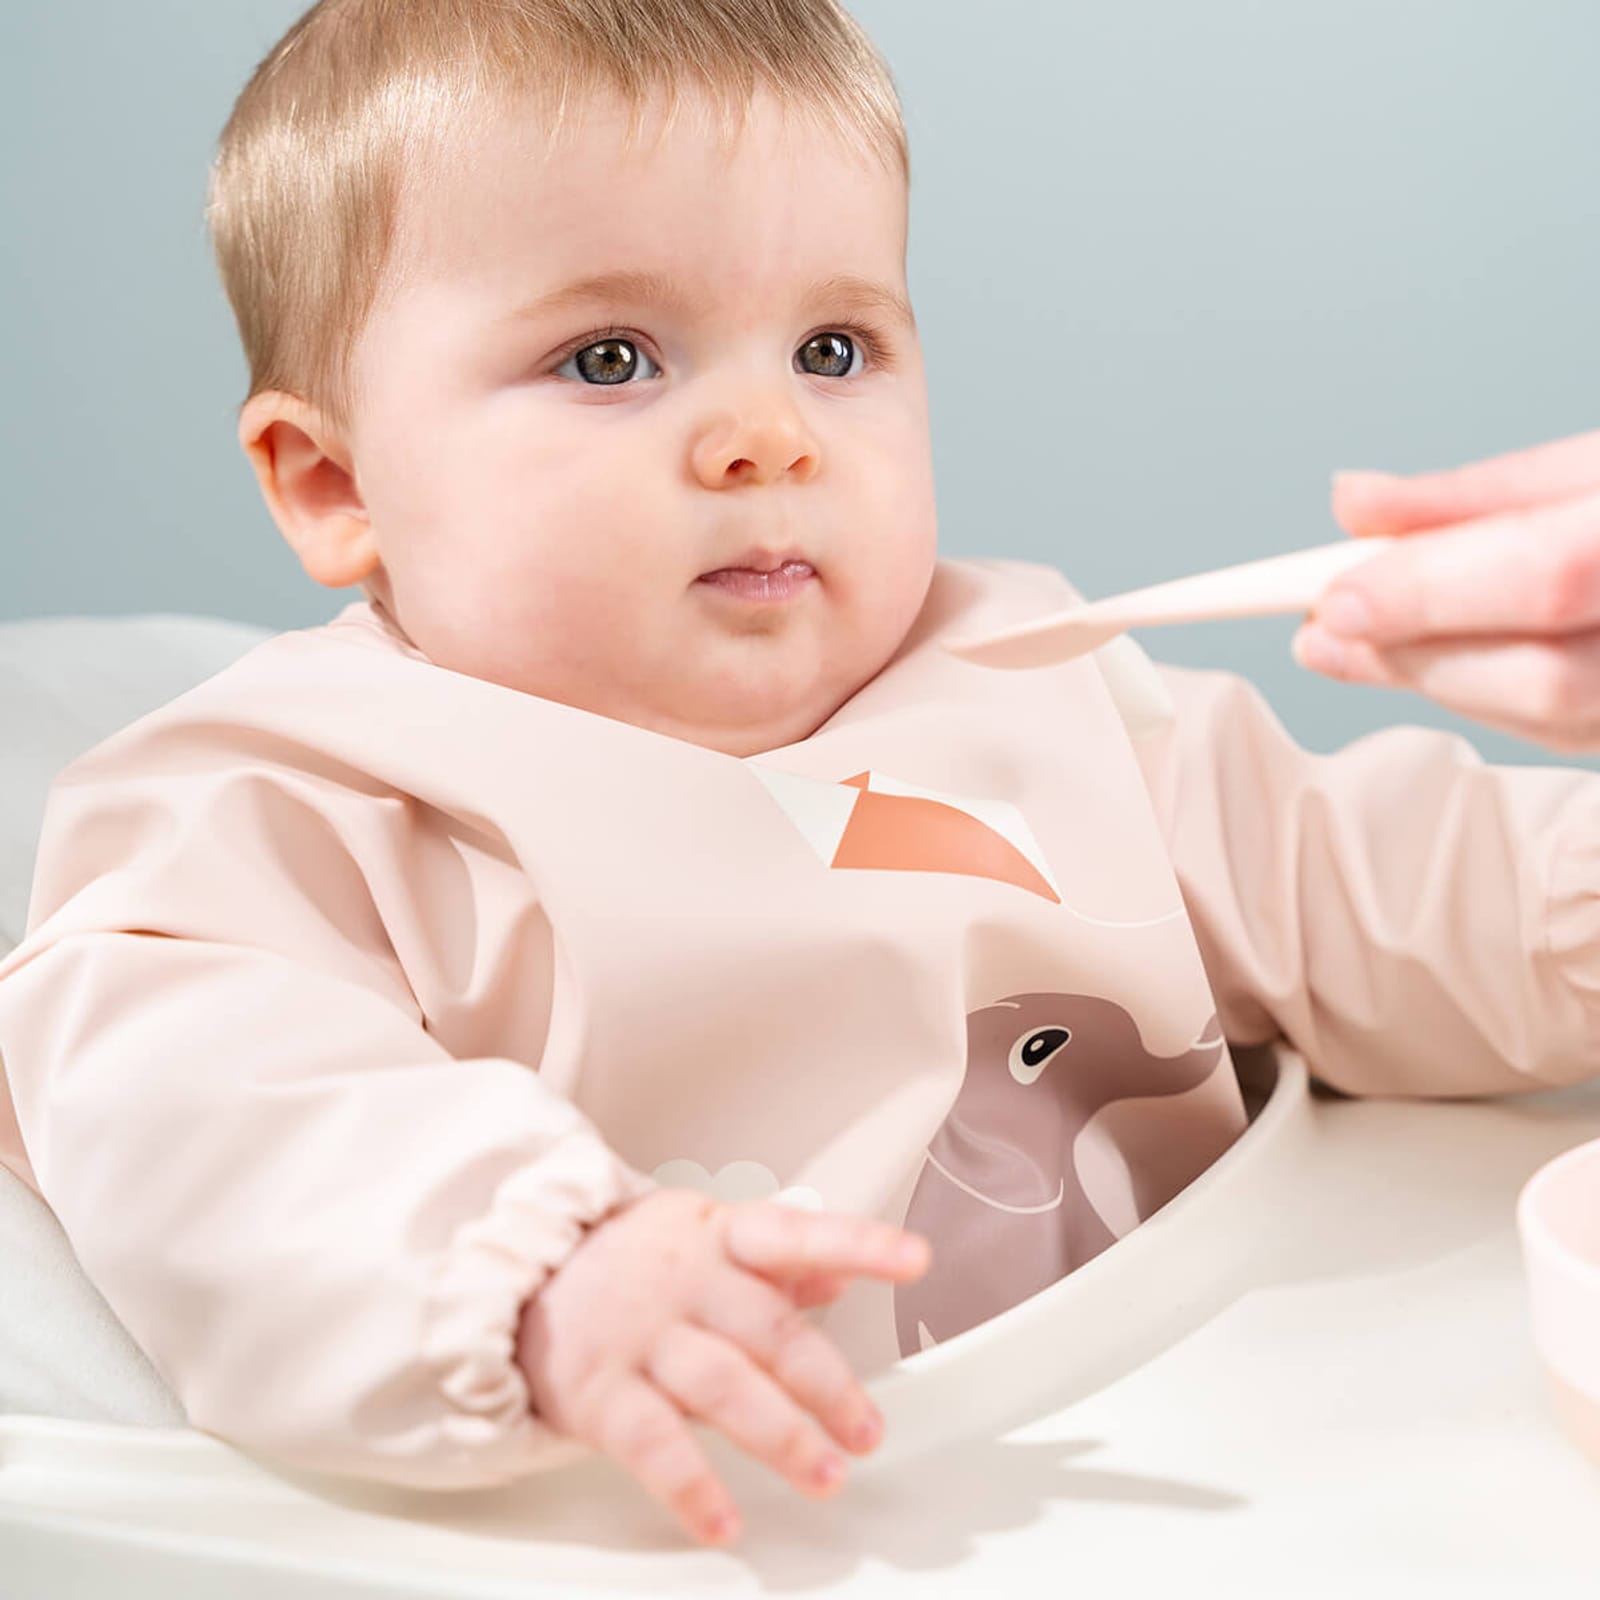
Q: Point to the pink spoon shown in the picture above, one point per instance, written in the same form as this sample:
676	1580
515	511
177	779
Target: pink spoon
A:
1287	583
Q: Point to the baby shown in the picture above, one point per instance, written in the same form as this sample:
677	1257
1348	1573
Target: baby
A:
568	993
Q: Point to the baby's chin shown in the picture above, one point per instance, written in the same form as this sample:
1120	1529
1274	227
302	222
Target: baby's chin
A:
752	732
739	694
747	717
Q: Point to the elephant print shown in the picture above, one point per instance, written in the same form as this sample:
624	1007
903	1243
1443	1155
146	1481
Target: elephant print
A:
999	1195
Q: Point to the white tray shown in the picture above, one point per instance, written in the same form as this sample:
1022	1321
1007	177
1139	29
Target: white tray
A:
1326	1383
173	1511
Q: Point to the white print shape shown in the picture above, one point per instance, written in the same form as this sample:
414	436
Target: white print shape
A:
736	1183
821	811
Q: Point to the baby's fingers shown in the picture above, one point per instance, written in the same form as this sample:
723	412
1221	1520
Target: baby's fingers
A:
717	1383
641	1430
765	1322
815	1289
783	1242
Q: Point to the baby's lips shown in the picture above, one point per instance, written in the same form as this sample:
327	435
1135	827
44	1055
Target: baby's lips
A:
763	558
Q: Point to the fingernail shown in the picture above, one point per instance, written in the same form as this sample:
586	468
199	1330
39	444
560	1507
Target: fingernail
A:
867	1433
1318	651
1346	613
723	1527
830	1470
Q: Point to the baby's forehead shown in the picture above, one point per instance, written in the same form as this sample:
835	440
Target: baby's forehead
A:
597	128
543	133
503	154
514	193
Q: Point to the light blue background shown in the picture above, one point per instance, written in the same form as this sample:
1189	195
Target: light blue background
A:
1173	264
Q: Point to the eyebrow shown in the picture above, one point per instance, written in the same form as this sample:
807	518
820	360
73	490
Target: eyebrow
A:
657	288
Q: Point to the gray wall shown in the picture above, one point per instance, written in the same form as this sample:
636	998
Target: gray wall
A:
1173	263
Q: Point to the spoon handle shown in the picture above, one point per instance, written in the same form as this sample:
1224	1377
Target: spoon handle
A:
1291	582
1277	584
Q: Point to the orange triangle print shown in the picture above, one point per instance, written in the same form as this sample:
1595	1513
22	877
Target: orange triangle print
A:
906	833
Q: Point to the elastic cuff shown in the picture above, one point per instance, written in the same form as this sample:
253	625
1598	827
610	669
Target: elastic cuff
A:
490	1269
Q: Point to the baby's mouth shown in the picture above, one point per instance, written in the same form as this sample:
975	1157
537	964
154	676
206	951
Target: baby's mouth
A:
762	583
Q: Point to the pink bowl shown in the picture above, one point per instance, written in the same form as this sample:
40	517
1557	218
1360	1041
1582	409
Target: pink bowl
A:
1558	1217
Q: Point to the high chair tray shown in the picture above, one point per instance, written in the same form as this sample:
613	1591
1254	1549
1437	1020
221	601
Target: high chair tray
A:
1311	1369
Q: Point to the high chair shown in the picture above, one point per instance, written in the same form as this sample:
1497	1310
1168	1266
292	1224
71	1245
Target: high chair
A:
1310	1370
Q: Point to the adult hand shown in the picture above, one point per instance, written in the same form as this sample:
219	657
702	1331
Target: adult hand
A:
1490	604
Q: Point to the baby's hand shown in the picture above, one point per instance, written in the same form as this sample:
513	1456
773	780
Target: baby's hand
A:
679	1306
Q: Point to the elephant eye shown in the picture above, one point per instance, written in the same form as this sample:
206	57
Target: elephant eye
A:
1030	1053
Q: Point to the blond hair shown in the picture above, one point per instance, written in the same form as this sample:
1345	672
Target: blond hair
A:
360	95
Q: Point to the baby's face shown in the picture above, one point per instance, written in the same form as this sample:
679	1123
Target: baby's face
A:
553	474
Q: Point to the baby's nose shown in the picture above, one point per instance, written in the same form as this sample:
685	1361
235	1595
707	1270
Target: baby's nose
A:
756	446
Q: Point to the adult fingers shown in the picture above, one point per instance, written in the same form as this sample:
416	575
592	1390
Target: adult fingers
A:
712	1380
1538	573
768	1326
782	1241
1372	503
640	1428
1535	689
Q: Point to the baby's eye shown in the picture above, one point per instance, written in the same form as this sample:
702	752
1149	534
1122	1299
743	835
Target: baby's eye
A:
834	354
607	362
613	361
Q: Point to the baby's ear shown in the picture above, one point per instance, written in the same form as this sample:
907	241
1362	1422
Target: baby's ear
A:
304	470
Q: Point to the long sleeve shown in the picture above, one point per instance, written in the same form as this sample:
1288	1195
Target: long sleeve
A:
1414	920
318	1224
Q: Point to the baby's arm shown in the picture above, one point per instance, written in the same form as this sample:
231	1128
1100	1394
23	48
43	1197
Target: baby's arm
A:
1416	921
319	1225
